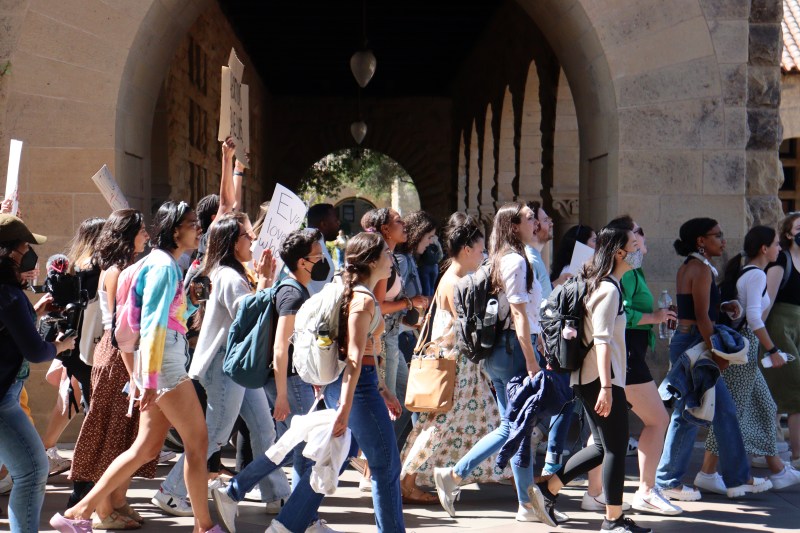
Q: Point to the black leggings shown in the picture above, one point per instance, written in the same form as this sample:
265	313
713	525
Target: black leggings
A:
610	442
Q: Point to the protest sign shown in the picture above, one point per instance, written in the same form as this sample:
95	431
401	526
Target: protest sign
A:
286	213
109	189
12	177
234	114
581	255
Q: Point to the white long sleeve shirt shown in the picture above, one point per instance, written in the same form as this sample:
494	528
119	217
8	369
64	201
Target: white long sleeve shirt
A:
751	291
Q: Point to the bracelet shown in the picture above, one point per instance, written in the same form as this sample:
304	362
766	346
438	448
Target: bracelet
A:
773	351
237	173
605	387
409	304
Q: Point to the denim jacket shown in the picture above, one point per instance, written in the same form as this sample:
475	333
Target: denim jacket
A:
693	376
530	400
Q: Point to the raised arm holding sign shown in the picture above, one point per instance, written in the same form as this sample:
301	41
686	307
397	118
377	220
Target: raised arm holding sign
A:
234	118
286	213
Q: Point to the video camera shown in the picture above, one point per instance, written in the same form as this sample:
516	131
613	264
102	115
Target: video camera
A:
69	299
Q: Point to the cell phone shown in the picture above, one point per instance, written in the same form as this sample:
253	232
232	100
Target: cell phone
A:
126	390
38	289
202	288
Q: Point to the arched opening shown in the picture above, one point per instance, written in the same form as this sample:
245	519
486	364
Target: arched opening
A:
350	212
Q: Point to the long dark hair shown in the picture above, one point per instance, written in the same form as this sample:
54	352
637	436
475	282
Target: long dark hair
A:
462	230
690	231
168	217
610	240
418	223
786	229
222	239
757	237
115	245
504	239
563	257
362	250
9	270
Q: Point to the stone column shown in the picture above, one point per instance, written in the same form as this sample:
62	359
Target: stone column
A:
461	186
488	168
764	173
473	173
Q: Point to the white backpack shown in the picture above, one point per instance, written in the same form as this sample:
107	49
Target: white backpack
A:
316	328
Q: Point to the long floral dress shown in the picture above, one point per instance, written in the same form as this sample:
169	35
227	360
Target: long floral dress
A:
441	439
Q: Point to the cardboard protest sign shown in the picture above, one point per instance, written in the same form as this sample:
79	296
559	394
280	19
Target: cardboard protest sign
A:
234	114
286	214
581	255
12	177
109	189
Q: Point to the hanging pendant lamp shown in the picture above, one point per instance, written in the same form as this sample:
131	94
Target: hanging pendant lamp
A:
363	64
358	130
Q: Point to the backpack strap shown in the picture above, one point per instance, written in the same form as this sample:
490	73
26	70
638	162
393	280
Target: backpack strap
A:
787	271
619	290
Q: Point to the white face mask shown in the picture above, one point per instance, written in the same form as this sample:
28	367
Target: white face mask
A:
634	259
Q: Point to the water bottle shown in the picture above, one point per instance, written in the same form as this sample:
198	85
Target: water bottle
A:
665	302
323	338
489	321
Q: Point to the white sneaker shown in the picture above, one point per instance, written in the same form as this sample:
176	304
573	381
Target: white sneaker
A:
683	493
365	484
598	503
215	484
165	456
786	478
275	507
172	504
5	484
58	464
254	495
633	446
277	527
527	514
653	501
320	526
710	483
446	488
227	507
759	484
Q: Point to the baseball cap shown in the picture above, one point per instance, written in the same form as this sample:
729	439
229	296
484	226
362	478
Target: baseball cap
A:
14	229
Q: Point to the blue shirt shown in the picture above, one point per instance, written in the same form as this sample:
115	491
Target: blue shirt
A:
539	270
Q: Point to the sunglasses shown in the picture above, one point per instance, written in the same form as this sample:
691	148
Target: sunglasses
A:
639	231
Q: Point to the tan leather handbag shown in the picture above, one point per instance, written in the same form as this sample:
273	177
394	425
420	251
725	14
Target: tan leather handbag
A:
431	375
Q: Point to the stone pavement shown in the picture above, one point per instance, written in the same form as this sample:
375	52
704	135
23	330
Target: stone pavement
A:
485	508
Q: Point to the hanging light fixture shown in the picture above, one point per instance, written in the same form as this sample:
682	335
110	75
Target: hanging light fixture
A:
363	62
358	130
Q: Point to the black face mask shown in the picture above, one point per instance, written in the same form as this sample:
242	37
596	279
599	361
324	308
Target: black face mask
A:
320	270
797	239
28	261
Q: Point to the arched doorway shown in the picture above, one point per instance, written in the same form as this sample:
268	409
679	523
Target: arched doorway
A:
350	211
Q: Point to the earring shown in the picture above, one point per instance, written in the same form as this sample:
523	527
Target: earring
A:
701	251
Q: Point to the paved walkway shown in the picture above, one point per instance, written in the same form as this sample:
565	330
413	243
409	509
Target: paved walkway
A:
485	508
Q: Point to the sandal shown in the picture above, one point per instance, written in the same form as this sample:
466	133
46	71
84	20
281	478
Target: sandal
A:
114	521
128	511
417	496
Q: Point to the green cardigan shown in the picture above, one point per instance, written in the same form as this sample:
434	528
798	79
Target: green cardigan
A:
637	300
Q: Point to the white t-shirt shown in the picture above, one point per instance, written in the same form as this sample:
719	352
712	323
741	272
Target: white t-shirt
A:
513	270
751	293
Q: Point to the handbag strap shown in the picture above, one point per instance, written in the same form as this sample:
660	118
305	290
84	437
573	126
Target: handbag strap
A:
426	325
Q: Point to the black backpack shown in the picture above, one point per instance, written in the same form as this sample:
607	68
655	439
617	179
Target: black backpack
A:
475	339
567	304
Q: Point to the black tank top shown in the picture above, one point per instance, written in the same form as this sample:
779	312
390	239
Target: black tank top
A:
686	302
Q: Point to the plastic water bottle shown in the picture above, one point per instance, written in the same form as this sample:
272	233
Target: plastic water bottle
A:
665	302
489	321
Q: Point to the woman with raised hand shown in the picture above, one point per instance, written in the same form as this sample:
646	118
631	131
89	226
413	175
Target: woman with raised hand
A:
167	395
21	450
783	325
699	305
513	355
474	410
228	251
755	407
107	431
600	385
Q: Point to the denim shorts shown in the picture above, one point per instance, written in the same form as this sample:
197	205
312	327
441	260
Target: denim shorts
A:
173	365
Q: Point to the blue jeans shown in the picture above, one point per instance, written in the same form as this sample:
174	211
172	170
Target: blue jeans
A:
226	400
427	278
734	465
396	372
22	452
558	425
501	367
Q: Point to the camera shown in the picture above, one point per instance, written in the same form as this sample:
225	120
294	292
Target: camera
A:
69	299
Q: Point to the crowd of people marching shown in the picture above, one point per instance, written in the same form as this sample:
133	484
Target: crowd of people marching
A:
734	365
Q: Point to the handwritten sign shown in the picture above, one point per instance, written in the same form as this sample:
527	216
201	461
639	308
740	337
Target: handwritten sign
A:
109	189
286	213
12	177
581	255
234	114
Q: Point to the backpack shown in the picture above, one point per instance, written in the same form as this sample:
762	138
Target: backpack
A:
475	335
248	352
727	290
787	271
125	325
316	326
567	303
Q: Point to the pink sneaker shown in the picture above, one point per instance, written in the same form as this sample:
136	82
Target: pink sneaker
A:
65	525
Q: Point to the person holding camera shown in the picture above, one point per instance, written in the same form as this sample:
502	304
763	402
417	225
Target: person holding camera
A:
21	449
107	431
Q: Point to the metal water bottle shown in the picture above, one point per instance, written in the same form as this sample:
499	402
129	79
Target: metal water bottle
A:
489	321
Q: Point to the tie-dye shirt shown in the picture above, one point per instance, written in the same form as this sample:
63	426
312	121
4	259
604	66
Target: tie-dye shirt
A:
163	303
